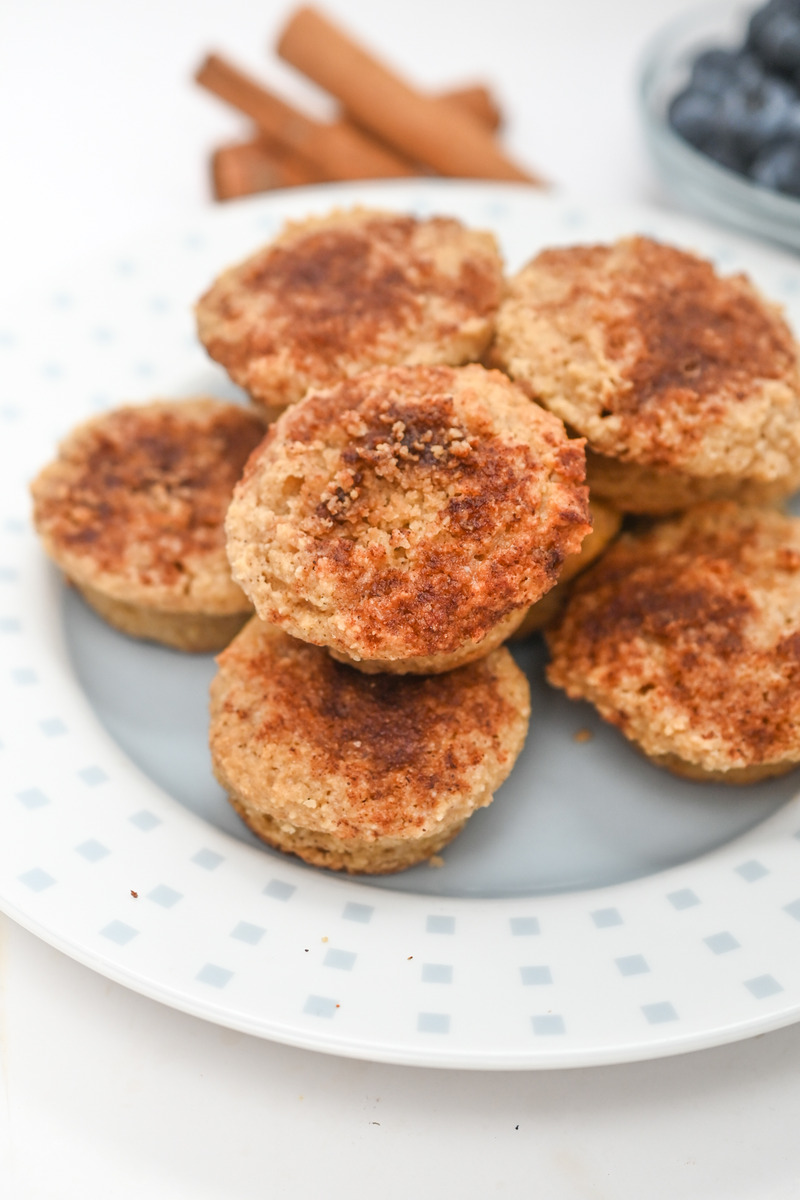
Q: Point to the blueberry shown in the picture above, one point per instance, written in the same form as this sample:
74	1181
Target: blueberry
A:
724	152
751	117
695	116
774	35
715	70
791	126
778	167
773	7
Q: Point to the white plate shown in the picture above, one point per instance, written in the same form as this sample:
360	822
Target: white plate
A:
599	911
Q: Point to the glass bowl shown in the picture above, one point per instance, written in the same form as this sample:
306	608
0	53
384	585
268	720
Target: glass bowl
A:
692	179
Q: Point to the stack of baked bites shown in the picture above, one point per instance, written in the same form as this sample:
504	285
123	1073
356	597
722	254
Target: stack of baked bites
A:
685	385
391	531
410	509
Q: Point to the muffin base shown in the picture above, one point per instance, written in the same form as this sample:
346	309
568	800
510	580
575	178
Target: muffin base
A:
652	492
740	776
437	664
355	856
194	632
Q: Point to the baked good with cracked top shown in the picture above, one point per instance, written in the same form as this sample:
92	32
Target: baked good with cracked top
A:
407	518
687	637
684	383
132	510
335	295
606	524
360	773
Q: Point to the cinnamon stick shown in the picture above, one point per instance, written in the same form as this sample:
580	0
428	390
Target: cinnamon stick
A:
245	168
417	126
263	164
338	150
478	101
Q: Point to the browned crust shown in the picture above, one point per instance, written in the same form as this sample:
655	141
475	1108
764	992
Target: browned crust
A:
687	637
336	295
407	512
656	359
134	504
359	771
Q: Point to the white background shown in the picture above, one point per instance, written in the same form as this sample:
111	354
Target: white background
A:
109	1096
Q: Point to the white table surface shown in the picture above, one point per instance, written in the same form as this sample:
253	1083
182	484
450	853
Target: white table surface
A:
107	1095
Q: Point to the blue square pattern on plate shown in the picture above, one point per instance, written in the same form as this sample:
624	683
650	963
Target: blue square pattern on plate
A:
92	850
320	1006
437	924
119	932
606	918
433	1022
436	973
214	975
277	889
632	964
361	913
340	960
245	931
722	942
164	896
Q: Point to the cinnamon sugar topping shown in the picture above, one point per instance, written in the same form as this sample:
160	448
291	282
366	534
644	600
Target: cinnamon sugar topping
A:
139	494
335	295
687	638
358	772
658	360
452	506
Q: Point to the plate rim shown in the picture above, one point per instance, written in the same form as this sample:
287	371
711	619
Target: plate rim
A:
436	1055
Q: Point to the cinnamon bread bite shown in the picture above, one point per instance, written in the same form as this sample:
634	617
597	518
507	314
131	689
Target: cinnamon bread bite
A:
406	518
684	383
132	511
360	773
687	637
335	295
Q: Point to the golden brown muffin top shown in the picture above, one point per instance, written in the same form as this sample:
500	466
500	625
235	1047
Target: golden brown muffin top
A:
135	501
406	511
335	295
688	637
654	357
321	744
